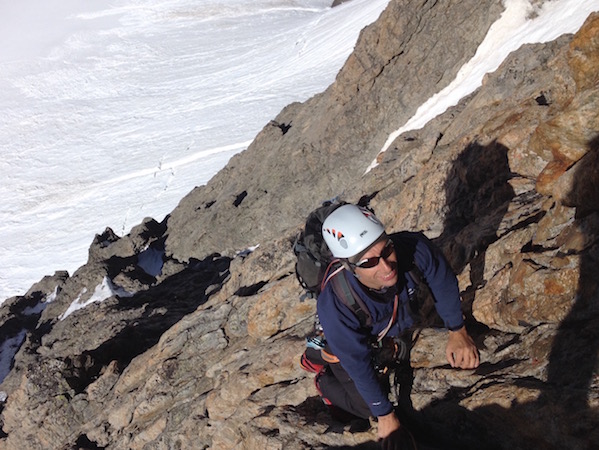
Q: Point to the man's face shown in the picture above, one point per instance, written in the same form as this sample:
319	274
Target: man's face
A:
384	274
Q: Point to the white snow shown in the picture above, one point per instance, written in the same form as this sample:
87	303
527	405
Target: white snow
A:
112	111
247	251
103	291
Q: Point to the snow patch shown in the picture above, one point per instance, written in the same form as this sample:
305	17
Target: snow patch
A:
37	309
103	291
247	251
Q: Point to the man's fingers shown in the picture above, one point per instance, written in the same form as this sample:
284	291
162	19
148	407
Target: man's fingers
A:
461	350
450	358
464	359
476	359
469	360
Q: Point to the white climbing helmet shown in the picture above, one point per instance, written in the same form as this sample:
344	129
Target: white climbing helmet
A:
351	229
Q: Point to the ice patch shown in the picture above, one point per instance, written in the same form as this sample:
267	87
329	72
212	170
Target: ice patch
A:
151	261
8	350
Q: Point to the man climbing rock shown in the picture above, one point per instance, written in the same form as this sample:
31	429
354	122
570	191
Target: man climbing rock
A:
365	301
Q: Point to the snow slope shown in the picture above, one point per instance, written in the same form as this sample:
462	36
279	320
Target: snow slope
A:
112	111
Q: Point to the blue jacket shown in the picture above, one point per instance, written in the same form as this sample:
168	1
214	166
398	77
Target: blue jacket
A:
350	342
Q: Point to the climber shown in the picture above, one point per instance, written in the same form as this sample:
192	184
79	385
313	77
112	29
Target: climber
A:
374	265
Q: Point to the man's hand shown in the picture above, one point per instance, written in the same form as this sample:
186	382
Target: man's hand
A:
387	425
461	351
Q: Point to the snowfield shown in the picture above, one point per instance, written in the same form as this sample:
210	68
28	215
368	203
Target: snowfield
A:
113	111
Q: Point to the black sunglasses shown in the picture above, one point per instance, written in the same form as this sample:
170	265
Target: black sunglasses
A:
374	260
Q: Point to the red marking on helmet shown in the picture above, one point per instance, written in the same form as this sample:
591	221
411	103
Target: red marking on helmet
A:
336	234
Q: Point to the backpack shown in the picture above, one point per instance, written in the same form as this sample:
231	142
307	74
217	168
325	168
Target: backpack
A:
316	266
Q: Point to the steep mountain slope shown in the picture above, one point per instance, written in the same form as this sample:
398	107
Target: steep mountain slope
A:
323	146
203	352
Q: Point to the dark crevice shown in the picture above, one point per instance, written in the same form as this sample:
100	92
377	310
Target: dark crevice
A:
282	126
535	218
269	432
384	66
515	340
542	100
439	137
282	277
529	247
487	368
240	198
84	443
365	199
248	291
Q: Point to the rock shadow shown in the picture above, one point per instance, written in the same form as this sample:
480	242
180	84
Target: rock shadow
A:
478	194
163	306
565	413
573	357
572	384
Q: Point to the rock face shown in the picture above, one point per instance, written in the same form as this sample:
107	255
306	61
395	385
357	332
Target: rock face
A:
194	346
323	146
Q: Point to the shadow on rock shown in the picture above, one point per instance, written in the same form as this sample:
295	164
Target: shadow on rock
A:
478	196
572	381
565	412
560	411
162	306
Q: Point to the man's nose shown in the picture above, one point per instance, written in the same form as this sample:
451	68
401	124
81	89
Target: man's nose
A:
386	264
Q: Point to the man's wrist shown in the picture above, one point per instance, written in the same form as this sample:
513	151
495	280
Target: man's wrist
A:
386	416
387	424
457	328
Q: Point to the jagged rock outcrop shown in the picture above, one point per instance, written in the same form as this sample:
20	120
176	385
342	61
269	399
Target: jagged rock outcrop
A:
323	146
177	352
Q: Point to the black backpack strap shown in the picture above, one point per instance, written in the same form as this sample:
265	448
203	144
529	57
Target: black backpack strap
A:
423	302
416	274
351	299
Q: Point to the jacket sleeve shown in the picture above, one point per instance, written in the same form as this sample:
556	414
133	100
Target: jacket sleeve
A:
351	345
441	280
